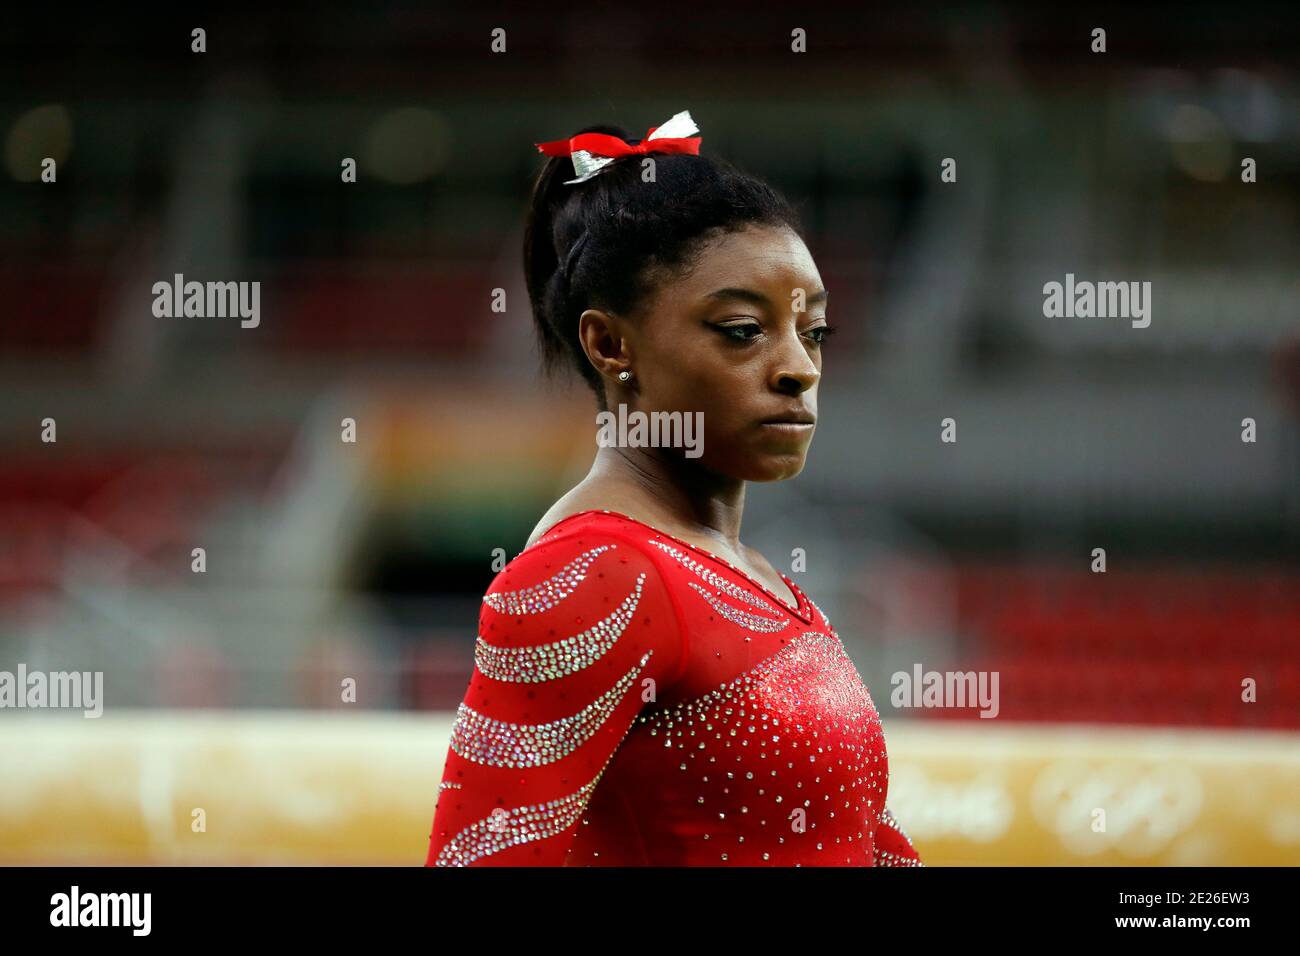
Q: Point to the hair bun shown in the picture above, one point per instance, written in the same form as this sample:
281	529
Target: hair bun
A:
592	244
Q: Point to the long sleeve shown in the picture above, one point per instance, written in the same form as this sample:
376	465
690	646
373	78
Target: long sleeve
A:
893	847
575	636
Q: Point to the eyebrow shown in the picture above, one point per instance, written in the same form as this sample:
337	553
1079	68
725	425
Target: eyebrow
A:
758	298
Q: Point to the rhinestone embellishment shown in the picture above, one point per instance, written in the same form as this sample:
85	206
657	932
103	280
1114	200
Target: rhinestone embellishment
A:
888	819
543	662
794	744
713	579
504	829
752	622
544	596
498	743
810	651
820	612
886	858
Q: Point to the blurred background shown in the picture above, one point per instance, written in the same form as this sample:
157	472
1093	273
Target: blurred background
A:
327	560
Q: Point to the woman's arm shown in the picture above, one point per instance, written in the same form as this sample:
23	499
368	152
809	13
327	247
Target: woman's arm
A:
575	635
893	847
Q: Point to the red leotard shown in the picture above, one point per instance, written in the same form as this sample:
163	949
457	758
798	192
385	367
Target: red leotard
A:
638	701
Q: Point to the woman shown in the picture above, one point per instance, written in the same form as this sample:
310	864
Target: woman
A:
648	690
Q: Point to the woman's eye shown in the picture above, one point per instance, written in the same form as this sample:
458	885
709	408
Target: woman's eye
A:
819	333
742	332
751	330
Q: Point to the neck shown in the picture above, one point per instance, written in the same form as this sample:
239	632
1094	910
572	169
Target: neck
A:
679	491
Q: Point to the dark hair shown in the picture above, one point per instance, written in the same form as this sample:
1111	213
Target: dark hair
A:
606	242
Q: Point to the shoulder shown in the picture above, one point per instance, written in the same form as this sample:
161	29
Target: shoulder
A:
574	556
585	531
591	551
586	586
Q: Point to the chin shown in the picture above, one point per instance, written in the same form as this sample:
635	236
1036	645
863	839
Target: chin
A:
776	468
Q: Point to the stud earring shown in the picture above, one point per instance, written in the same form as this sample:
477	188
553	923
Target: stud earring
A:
625	376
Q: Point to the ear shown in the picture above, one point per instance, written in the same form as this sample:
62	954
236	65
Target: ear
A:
604	338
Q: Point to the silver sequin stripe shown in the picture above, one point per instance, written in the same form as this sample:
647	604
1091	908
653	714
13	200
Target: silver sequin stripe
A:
521	824
543	662
504	829
496	743
547	594
886	858
713	578
752	622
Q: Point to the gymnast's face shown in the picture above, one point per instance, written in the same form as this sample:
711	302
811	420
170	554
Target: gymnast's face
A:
725	339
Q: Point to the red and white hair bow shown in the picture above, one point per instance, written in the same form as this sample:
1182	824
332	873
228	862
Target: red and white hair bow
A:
592	152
